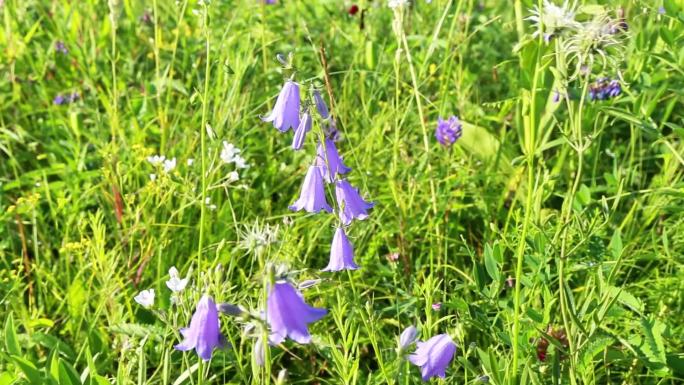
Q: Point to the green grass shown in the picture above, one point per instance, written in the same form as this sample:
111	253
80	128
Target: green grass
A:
565	215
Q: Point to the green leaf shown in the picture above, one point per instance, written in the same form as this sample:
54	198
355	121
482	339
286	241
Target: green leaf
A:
67	374
616	244
30	371
11	342
7	378
627	299
653	346
595	346
491	264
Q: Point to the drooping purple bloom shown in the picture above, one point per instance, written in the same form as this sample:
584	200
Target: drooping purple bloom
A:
433	356
285	114
320	105
352	205
312	196
288	315
407	337
341	253
331	131
448	131
204	332
556	96
300	132
328	158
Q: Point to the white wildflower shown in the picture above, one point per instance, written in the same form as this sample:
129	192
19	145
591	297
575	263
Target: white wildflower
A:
552	19
229	153
394	4
145	298
156	160
169	165
190	161
240	162
233	176
176	284
153	177
207	201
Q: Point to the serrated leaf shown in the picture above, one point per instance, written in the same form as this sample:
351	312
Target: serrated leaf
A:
653	346
595	346
140	331
627	299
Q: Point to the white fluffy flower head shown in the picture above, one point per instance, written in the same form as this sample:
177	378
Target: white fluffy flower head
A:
551	18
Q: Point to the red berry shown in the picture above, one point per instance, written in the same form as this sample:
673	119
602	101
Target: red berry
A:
353	10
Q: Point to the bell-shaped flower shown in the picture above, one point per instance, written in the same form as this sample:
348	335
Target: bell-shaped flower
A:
312	195
285	114
330	161
352	205
433	356
320	105
341	253
407	337
204	333
300	132
288	315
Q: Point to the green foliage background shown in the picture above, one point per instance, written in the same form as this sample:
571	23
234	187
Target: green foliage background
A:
591	247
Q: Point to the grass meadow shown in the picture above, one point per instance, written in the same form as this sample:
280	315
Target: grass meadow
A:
543	238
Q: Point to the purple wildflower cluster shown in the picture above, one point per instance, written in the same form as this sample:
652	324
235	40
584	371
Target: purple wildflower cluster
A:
604	89
61	99
286	314
327	168
61	47
448	131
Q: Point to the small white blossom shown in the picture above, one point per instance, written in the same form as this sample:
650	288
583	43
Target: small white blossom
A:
394	4
176	284
233	176
156	160
169	165
190	161
145	298
240	162
229	153
153	177
207	201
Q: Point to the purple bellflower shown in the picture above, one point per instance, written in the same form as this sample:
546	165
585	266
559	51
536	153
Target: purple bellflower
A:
320	105
285	114
407	337
288	315
328	158
300	132
341	253
352	205
448	131
204	332
433	356
312	195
